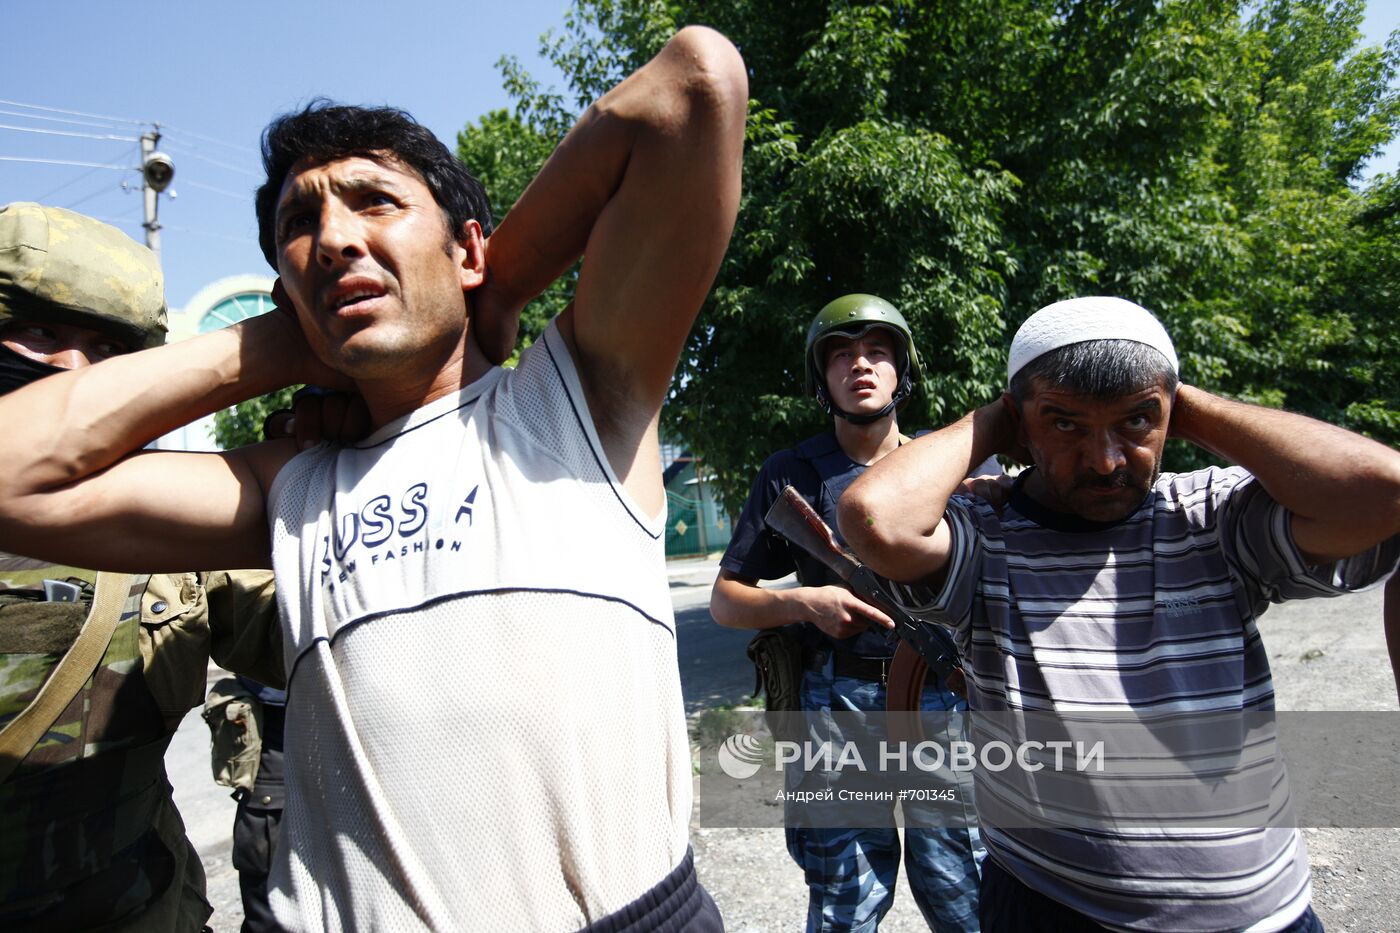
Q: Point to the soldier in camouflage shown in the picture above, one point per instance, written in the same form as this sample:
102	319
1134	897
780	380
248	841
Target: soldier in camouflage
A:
91	836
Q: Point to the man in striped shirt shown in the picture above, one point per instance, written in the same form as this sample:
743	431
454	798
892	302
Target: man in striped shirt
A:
1104	587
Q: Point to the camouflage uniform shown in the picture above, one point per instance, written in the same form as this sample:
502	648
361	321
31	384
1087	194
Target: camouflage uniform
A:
92	839
59	266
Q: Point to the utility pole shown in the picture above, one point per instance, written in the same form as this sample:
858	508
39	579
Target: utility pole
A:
157	170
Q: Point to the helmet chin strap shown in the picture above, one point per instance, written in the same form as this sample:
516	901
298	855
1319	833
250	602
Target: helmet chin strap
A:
905	389
870	418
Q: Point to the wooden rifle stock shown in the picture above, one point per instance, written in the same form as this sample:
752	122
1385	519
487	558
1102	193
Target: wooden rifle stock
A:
792	517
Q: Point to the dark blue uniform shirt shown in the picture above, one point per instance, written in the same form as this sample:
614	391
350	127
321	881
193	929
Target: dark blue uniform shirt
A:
820	470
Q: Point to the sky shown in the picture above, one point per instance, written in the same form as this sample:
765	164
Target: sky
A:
213	74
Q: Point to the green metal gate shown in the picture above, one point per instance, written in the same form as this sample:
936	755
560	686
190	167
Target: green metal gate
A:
684	534
694	527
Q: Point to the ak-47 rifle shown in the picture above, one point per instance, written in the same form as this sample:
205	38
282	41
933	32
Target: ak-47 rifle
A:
791	517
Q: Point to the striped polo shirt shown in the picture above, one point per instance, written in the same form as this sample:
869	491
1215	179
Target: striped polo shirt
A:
1151	616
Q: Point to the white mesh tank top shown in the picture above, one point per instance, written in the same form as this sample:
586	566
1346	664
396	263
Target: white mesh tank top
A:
484	724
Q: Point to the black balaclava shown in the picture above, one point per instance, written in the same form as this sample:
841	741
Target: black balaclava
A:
18	370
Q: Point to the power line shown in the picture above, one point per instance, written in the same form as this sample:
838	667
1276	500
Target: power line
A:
130	222
222	236
37	116
208	139
105	189
86	118
36	129
186	150
127	221
123	168
228	194
72	181
69	183
76	113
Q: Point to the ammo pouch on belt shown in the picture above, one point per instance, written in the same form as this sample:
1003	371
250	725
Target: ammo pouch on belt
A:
777	655
235	719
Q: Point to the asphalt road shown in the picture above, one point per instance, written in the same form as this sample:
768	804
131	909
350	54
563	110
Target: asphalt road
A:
1325	654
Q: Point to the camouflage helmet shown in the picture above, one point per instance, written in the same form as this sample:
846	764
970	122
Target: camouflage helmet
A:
852	316
66	268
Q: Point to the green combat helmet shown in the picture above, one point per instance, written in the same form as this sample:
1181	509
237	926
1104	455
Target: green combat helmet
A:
851	316
66	268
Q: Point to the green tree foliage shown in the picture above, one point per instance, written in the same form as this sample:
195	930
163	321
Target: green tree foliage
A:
973	160
504	153
242	424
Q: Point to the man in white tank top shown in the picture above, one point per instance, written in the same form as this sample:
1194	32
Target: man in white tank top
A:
484	723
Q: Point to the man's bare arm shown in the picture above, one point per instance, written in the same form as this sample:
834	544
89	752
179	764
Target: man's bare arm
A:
76	488
736	602
646	187
1342	489
892	515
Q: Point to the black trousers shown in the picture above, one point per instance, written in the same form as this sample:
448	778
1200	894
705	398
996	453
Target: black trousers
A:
256	827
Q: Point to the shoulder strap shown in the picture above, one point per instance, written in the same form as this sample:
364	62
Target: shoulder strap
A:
817	446
22	733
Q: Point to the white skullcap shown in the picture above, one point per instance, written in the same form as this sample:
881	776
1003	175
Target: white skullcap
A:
1080	319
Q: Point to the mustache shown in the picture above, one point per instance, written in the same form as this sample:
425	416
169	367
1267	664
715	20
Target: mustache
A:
1118	479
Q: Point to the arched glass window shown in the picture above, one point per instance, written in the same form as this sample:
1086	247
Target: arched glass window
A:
234	309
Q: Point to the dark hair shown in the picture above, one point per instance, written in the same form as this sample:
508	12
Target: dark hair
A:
325	131
1101	369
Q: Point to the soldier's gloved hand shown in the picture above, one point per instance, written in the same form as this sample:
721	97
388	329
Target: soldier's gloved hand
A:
840	613
317	415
